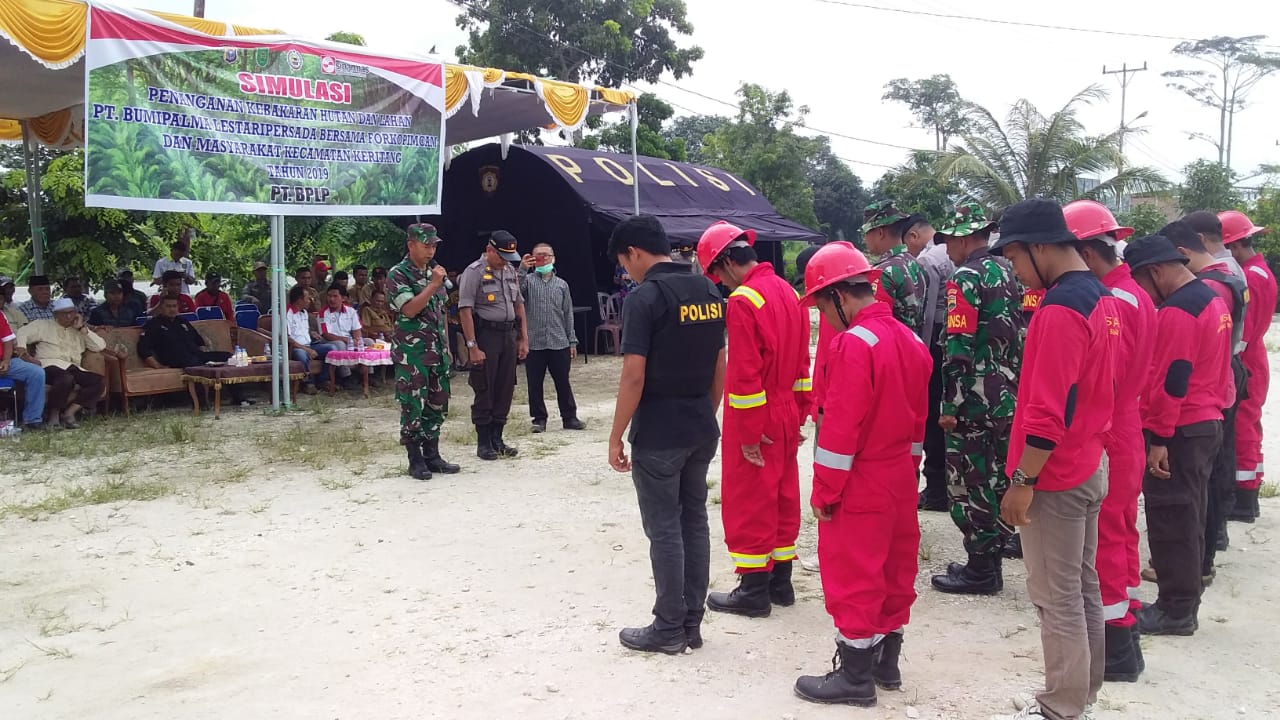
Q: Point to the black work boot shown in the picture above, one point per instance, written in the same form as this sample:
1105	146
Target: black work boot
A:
848	683
933	503
1137	647
982	576
484	443
1122	655
418	469
1013	547
1246	508
693	629
750	598
886	672
435	463
781	591
650	639
1152	620
1224	541
503	449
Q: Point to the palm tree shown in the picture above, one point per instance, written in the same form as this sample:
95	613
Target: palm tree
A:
1032	155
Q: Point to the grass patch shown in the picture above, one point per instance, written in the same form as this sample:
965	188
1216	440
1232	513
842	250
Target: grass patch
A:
323	448
111	436
103	493
1269	490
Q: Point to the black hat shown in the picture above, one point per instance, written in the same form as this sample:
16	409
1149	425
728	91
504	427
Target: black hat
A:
111	286
505	243
212	275
802	260
1037	221
1203	221
38	281
1151	250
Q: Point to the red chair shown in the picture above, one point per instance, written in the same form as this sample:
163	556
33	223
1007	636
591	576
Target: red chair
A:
610	321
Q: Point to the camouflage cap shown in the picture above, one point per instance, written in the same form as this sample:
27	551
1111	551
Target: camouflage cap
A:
880	214
968	219
424	233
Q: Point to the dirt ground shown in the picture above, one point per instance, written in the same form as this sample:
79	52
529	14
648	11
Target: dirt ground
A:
283	566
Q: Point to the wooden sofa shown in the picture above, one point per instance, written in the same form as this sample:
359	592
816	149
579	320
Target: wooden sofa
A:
133	378
94	362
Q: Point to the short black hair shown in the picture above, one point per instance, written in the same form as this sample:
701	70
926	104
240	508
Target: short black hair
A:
1203	221
1100	247
741	255
642	232
170	275
303	269
857	290
168	299
379	272
341	275
296	293
1246	242
802	261
1183	235
358	268
177	244
900	228
338	289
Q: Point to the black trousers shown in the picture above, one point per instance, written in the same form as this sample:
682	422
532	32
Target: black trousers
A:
1222	489
671	489
494	382
935	439
536	367
1176	516
62	382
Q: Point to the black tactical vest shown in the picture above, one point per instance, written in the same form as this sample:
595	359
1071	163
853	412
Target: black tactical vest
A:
687	338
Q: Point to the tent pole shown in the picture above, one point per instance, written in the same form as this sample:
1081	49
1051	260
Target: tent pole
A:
282	304
275	321
635	158
32	165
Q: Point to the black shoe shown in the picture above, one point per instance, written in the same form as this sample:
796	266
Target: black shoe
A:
982	576
539	426
574	424
848	683
1137	647
1154	621
35	427
933	503
693	636
484	443
1246	507
750	598
418	469
886	673
1122	655
503	449
435	463
1223	541
1013	547
781	591
649	639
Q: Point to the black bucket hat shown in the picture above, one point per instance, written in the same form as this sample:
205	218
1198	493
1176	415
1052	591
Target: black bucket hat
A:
1152	250
1037	221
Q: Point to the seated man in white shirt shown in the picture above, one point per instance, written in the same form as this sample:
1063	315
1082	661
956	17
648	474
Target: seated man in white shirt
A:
340	323
305	344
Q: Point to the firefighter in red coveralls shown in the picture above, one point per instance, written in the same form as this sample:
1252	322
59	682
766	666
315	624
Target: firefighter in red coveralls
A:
767	396
1238	232
1101	245
865	474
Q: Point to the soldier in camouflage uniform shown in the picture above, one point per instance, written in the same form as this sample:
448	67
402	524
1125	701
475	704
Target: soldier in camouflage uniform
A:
897	278
980	386
415	287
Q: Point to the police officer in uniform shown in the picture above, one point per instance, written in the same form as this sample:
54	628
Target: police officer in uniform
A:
673	369
683	252
416	289
491	309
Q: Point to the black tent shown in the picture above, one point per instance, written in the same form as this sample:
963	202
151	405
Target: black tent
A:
573	198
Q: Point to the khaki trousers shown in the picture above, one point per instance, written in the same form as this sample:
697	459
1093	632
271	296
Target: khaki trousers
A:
1059	547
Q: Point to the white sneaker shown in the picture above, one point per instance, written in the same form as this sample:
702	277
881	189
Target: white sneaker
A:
810	565
1030	712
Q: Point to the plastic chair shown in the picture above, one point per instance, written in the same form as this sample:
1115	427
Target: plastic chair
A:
141	320
189	317
241	307
248	318
610	321
210	313
11	387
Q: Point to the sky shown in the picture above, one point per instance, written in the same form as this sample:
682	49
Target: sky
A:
835	58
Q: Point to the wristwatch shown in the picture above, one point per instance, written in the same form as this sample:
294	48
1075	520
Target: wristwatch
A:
471	344
1020	479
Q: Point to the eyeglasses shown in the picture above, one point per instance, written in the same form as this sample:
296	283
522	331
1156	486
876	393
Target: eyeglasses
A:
543	256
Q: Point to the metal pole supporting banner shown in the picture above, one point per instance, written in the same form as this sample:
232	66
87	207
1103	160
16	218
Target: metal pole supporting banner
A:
635	158
275	320
31	163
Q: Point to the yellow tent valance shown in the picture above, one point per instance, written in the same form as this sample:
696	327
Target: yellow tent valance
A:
61	129
567	103
52	31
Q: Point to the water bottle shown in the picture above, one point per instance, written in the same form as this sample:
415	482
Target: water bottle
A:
266	350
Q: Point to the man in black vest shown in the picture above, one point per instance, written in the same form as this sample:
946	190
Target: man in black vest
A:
672	379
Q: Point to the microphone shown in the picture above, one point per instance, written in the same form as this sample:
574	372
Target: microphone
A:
448	284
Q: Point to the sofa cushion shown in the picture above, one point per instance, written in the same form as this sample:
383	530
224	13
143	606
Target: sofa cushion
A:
148	381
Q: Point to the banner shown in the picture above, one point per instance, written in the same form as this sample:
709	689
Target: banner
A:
180	121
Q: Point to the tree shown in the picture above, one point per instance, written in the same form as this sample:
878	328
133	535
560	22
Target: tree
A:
1208	186
918	187
693	130
652	113
838	195
349	38
1144	218
608	42
762	147
936	103
1238	65
1033	155
1265	212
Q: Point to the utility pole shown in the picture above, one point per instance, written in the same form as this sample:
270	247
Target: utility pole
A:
1126	74
199	9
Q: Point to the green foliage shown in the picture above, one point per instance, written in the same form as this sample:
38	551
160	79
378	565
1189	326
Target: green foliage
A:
1208	186
1145	219
762	147
1265	212
653	113
935	102
917	186
608	42
349	38
693	130
838	195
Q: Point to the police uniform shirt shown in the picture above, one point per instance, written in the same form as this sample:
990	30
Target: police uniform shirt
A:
491	293
675	320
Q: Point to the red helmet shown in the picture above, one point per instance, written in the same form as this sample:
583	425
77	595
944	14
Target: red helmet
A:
1086	219
835	261
715	240
1237	226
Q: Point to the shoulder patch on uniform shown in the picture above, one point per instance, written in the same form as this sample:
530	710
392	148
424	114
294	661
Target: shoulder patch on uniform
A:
1125	295
864	334
1259	270
1078	291
1191	298
751	295
962	317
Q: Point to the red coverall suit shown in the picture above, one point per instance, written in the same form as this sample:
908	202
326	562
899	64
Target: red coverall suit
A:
768	392
826	334
1262	299
1117	561
866	471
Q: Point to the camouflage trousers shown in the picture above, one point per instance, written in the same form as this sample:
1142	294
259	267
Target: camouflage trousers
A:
422	389
977	453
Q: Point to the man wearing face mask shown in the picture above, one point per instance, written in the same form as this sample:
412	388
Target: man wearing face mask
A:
553	343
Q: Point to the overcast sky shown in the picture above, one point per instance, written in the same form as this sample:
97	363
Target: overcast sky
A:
836	59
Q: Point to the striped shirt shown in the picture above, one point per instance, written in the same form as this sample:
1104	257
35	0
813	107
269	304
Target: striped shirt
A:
548	308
